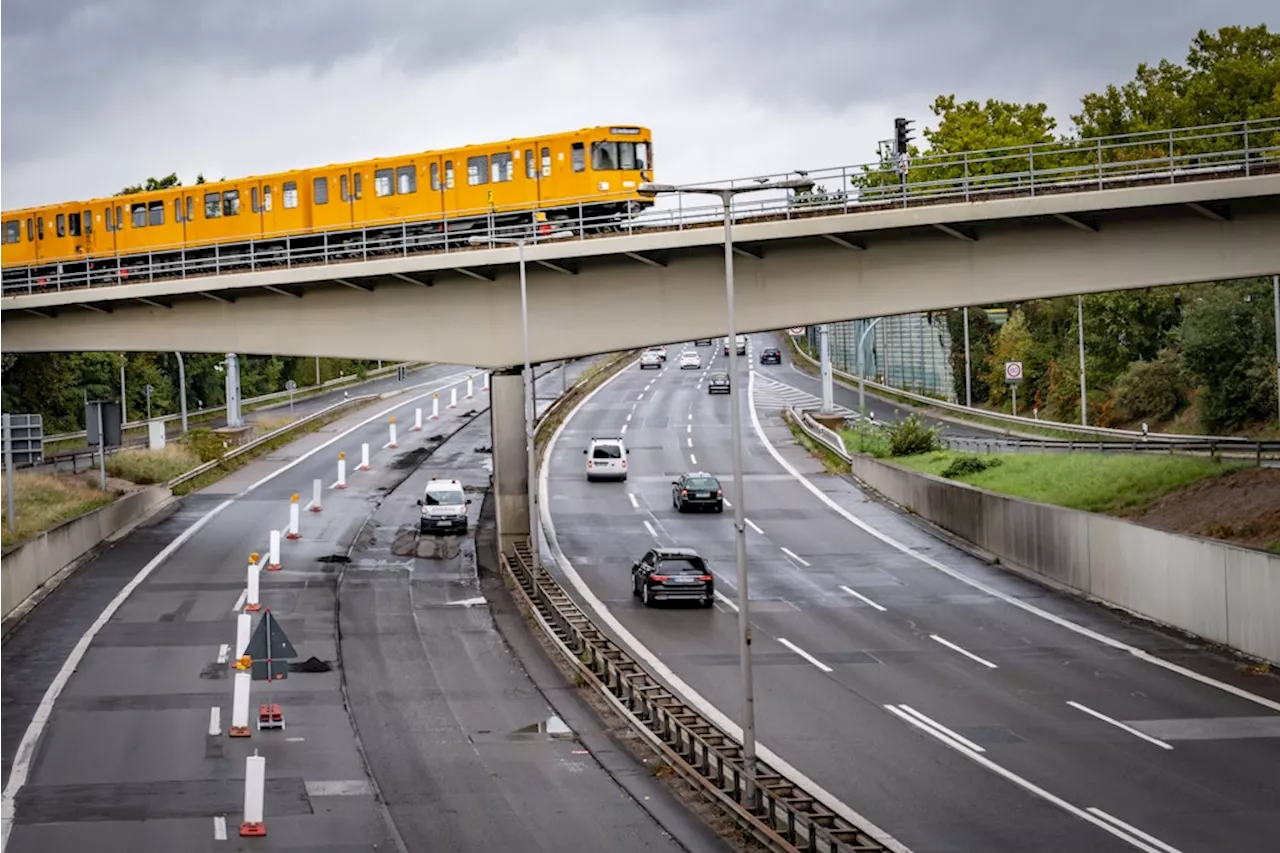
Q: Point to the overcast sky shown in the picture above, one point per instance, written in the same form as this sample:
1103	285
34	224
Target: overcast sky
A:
97	95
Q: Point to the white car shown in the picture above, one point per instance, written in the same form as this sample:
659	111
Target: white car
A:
661	351
606	459
444	507
649	358
690	358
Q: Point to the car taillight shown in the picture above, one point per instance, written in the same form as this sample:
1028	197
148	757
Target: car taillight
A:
590	464
719	493
705	578
624	464
684	493
659	577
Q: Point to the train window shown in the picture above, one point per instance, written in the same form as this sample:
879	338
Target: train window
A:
290	190
231	203
604	156
88	222
191	213
529	165
253	200
642	155
13	231
435	177
39	227
546	162
106	217
62	225
382	185
320	190
579	156
342	188
358	185
478	170
177	210
266	198
73	223
406	180
448	174
138	213
31	232
212	205
155	211
503	169
627	156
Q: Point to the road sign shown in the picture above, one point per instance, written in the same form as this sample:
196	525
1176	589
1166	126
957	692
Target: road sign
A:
290	385
796	330
400	373
269	649
1013	371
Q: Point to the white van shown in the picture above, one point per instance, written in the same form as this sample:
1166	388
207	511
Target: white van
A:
606	459
444	507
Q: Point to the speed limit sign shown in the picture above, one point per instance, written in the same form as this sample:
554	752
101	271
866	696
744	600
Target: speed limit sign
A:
796	330
1013	371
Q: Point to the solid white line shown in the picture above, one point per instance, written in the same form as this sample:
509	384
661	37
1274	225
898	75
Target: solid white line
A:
693	460
857	594
929	730
244	595
1130	729
215	720
1138	832
810	658
634	504
726	503
655	664
223	650
793	555
21	766
967	654
649	527
690	440
720	595
929	721
220	828
1060	621
753	526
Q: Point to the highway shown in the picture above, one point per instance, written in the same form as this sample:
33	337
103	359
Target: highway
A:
467	735
954	705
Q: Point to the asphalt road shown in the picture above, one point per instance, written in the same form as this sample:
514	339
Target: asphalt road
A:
849	632
134	754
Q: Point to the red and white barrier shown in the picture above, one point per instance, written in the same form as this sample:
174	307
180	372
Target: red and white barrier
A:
453	398
471	390
417	420
342	472
315	506
484	382
244	628
255	782
435	406
392	425
364	458
240	705
251	604
293	518
273	560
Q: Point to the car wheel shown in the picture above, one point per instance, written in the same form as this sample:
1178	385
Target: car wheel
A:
720	507
709	601
635	586
644	596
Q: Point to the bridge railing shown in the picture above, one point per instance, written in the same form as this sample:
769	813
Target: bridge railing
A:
1238	149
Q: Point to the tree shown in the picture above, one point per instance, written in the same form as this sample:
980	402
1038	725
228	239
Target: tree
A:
152	184
1012	343
817	197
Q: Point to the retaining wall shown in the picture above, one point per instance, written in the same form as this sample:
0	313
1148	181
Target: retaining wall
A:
30	564
1218	591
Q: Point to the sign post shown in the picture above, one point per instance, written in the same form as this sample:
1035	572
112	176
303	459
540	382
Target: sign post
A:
268	652
289	386
1013	378
796	331
8	472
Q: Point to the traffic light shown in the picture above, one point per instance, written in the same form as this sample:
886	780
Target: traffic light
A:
901	134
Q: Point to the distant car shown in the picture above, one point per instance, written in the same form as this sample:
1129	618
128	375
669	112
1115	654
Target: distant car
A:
606	459
771	355
661	351
718	383
702	342
698	490
672	574
444	507
649	358
690	358
741	341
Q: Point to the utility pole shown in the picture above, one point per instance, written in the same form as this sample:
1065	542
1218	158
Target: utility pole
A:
968	366
182	390
124	405
1275	294
824	350
1084	398
8	472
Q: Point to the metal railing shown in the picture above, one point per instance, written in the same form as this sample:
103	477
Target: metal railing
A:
1259	451
1238	149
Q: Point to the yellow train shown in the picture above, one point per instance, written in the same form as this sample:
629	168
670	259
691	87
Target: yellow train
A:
581	180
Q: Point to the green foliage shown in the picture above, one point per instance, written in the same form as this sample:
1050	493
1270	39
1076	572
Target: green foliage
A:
152	184
910	436
966	464
1012	343
145	467
205	443
1151	390
818	197
864	438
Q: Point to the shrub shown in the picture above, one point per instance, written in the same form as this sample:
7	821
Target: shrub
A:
1152	390
145	467
206	444
861	437
910	436
962	466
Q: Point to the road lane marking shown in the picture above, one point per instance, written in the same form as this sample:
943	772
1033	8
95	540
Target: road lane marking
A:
793	555
215	721
967	654
629	418
859	595
624	429
690	441
753	526
649	527
726	503
810	658
689	428
220	828
693	460
691	416
223	650
634	504
939	727
1130	729
244	595
729	602
1167	848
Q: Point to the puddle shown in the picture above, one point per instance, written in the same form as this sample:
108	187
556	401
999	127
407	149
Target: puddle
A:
552	727
411	460
311	664
334	558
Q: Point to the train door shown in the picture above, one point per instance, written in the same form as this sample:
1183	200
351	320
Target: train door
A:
351	191
328	209
86	229
544	169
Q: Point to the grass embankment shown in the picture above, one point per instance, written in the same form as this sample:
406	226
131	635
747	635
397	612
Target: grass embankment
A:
42	501
145	467
589	380
1087	481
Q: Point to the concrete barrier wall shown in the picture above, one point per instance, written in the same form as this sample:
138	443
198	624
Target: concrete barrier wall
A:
32	563
1218	591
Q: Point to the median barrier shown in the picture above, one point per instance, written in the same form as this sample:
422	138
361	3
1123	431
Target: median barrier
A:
1220	592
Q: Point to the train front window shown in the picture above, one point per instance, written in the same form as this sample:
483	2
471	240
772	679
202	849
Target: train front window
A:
624	156
604	156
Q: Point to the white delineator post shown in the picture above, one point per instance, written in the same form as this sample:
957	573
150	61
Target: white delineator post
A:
392	430
364	457
484	381
273	560
315	496
240	705
342	472
417	420
251	604
453	398
244	628
435	406
255	783
294	511
471	389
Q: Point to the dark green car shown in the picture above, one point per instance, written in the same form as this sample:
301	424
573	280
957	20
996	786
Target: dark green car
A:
697	491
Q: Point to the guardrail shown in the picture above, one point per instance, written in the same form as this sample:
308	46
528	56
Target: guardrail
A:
965	412
1238	149
778	814
835	439
1258	450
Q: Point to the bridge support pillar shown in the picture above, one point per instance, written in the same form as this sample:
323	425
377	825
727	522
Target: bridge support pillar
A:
510	459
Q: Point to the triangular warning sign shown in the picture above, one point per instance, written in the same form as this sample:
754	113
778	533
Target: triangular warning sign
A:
269	649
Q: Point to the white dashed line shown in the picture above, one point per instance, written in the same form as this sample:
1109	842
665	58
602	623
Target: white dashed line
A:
689	428
859	595
693	460
690	440
726	503
641	397
753	526
728	603
634	503
810	658
628	418
215	721
220	828
691	416
1130	729
223	651
649	527
793	555
624	429
967	654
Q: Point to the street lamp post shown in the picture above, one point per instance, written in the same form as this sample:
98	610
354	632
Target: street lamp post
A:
182	390
530	412
862	385
726	195
1084	399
